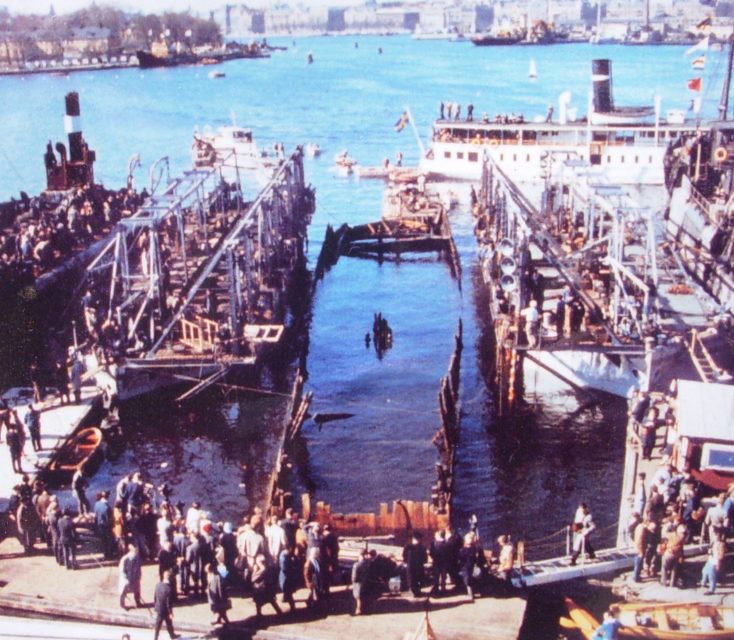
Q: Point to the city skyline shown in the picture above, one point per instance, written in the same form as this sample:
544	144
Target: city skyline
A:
197	7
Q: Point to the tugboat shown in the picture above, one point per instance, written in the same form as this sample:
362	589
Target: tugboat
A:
159	56
502	38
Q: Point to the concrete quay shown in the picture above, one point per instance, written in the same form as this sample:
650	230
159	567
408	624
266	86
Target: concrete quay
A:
36	586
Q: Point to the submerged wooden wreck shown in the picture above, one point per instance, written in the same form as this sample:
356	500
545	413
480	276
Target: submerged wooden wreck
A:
413	221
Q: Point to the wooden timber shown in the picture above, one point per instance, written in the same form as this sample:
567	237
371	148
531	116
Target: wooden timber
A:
447	436
403	516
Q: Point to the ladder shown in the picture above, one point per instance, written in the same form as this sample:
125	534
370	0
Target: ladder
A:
703	361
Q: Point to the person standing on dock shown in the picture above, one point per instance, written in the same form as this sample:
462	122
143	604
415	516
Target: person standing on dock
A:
468	561
103	524
265	585
53	515
506	558
360	581
717	519
289	576
532	321
35	377
438	551
67	539
130	575
415	558
32	421
583	528
641	539
77	370
216	595
560	317
329	547
15	445
163	606
79	485
672	560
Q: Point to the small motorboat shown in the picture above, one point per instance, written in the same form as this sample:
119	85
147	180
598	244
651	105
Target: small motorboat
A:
216	74
83	448
345	163
659	621
676	621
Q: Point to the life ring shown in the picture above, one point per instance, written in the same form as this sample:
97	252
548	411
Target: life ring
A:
720	155
494	143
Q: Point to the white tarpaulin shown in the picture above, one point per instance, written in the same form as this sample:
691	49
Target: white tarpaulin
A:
705	410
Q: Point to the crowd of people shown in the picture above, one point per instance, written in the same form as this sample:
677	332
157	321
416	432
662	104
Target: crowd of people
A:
669	509
452	111
266	558
45	232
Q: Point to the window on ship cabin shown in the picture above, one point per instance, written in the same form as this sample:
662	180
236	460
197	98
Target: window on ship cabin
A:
609	159
473	156
637	159
446	154
514	157
649	160
460	155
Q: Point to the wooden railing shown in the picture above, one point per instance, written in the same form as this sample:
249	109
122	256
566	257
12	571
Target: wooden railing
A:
199	334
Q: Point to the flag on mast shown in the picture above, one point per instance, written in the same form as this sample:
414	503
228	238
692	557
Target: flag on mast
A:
694	84
700	46
699	63
402	121
706	22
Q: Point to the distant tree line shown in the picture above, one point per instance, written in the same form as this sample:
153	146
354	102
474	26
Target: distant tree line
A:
126	32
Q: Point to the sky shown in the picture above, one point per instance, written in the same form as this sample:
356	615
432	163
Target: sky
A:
201	7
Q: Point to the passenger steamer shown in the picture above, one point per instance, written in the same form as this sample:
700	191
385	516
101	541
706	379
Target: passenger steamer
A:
629	143
700	218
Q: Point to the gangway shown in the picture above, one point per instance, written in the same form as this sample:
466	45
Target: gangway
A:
560	569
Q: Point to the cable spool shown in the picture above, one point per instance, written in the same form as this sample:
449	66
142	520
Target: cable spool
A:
506	247
721	154
508	283
508	266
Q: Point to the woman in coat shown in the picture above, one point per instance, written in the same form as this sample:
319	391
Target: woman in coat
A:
216	595
264	584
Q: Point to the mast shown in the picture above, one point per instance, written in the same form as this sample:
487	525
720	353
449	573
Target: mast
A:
724	106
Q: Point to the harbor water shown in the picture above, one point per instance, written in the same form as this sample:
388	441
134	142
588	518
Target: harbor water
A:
525	480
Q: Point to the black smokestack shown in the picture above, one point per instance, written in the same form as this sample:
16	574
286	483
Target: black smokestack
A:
601	77
73	127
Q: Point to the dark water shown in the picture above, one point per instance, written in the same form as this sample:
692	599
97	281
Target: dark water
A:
525	480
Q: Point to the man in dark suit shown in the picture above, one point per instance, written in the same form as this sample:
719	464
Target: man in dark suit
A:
163	605
67	539
103	523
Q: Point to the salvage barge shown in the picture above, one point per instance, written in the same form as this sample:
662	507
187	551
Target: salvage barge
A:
196	282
